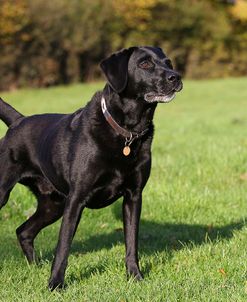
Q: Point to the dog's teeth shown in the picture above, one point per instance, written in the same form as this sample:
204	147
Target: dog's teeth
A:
164	99
160	98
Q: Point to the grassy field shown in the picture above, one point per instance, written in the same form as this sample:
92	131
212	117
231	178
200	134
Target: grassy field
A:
193	234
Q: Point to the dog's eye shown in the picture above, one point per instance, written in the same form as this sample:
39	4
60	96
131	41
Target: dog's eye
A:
169	64
146	64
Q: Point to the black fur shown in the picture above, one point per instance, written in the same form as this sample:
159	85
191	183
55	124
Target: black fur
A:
73	161
8	114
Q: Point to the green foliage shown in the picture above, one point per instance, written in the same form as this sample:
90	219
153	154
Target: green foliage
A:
43	43
193	230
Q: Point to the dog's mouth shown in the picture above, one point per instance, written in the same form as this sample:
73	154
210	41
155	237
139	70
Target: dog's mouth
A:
163	98
159	98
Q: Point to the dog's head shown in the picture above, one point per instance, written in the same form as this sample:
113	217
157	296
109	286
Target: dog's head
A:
142	72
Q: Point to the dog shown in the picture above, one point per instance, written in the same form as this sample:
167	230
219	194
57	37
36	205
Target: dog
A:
90	158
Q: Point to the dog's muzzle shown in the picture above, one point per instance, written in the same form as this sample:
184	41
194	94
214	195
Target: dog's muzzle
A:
163	98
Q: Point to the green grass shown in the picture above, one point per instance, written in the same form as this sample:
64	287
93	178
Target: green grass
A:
193	234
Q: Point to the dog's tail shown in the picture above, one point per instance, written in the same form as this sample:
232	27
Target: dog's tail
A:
8	114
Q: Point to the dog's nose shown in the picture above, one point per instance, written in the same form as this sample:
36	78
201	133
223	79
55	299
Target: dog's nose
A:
173	77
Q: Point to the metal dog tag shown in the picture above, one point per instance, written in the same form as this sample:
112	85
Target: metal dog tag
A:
126	150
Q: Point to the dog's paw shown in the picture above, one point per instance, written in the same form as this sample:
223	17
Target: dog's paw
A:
55	283
135	273
138	276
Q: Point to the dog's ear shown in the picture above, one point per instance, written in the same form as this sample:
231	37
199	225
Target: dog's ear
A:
115	69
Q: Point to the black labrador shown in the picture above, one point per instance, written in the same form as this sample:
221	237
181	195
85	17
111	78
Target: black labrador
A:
91	157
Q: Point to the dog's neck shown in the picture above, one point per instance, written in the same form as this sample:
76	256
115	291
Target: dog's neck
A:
132	114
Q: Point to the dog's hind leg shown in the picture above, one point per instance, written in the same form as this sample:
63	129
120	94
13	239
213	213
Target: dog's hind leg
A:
50	209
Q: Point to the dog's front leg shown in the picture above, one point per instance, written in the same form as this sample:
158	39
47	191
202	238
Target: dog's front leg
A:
131	215
71	218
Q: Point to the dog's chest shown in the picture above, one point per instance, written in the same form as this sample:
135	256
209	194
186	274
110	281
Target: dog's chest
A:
107	188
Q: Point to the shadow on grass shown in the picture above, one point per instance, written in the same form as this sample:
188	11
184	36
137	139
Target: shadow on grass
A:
157	237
